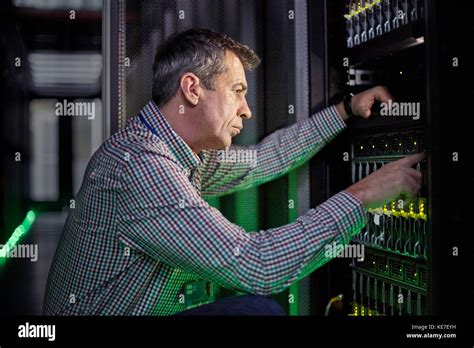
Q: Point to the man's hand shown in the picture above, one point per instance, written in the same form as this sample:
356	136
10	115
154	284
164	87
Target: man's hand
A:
389	182
362	103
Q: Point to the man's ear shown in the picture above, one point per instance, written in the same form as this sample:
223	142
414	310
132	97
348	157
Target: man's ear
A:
191	88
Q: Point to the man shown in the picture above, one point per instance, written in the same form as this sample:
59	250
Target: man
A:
141	235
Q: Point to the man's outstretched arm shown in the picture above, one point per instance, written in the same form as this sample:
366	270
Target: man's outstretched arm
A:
242	167
165	218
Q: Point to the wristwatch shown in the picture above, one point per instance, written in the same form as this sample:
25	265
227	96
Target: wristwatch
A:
347	104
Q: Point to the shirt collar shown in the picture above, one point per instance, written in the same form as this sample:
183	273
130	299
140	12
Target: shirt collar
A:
183	153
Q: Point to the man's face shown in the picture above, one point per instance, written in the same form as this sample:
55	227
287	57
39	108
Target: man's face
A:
224	108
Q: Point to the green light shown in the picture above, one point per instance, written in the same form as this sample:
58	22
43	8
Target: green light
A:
23	228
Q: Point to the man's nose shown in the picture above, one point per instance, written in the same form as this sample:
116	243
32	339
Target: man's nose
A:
245	112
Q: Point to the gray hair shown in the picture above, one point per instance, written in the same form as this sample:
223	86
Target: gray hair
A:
200	51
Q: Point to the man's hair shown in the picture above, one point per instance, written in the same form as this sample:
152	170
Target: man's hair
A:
199	51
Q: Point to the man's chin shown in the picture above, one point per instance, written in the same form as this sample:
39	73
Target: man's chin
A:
222	145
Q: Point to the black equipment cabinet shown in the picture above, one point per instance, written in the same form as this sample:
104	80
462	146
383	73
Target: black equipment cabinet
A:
412	263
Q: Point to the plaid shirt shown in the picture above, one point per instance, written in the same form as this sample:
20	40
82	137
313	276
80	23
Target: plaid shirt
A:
140	229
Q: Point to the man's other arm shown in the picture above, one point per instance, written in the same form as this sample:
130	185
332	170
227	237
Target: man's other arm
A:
276	155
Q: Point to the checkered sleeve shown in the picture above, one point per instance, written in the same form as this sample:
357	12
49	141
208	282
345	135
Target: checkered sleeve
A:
346	210
241	167
163	216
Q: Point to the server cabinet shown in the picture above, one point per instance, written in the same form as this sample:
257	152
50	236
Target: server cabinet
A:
412	48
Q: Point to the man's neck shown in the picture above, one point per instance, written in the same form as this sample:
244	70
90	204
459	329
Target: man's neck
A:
178	123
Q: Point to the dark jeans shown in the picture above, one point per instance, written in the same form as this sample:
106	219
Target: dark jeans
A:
239	305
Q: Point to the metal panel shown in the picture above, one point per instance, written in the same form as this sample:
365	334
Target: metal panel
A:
110	65
302	112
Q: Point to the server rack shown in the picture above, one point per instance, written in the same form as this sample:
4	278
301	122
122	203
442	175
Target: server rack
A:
403	45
